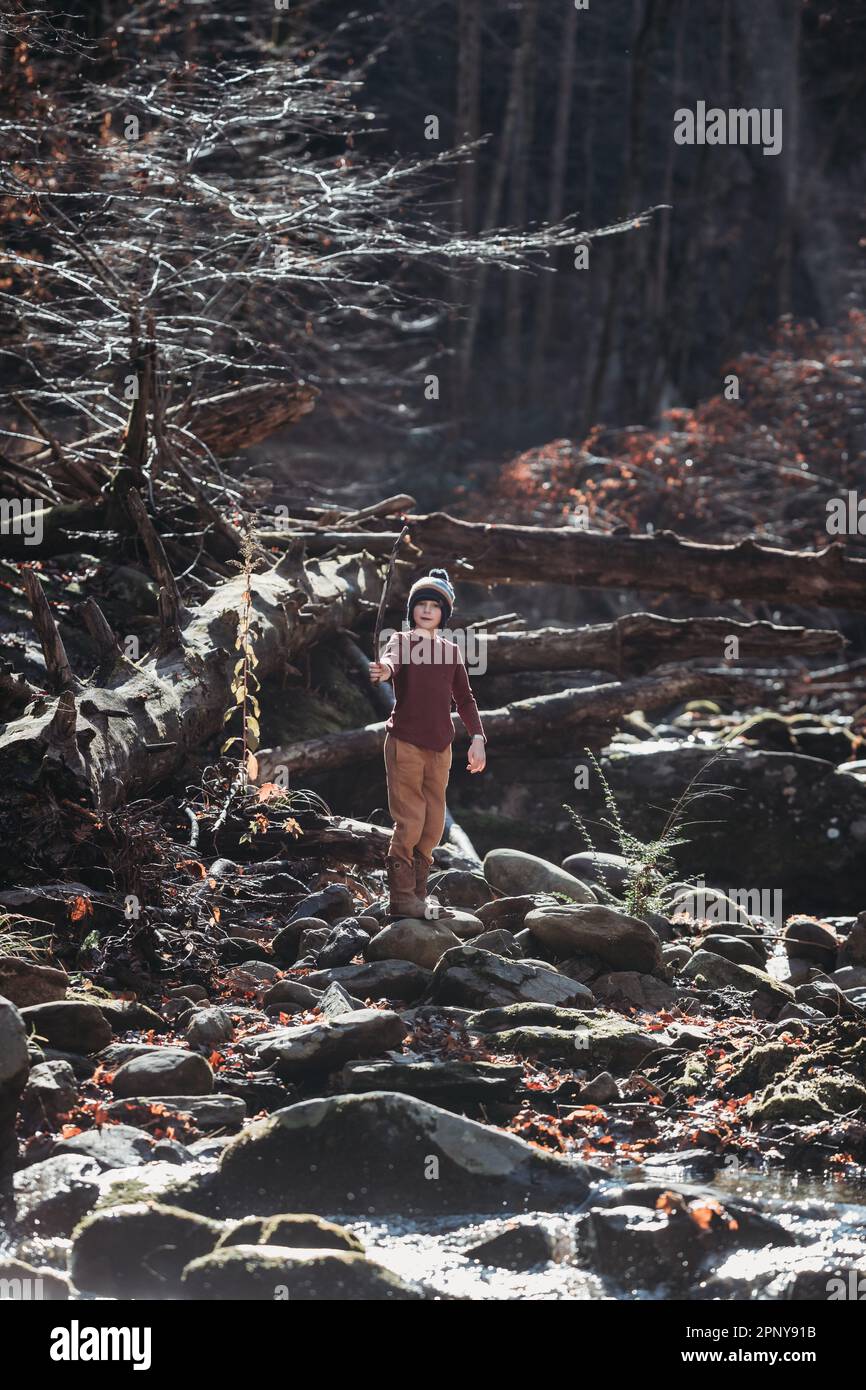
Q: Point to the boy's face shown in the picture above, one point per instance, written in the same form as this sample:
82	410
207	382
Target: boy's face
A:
427	615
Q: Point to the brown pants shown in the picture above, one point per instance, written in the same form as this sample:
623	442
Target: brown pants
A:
417	780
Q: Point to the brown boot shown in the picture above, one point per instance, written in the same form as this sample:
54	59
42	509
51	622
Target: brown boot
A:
434	911
401	888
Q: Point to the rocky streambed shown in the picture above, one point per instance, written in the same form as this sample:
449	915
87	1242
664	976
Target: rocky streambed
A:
543	1095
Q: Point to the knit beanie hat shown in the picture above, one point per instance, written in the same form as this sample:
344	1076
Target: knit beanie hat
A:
435	586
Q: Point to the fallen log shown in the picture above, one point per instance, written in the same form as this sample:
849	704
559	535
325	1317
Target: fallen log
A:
639	641
99	744
491	553
595	706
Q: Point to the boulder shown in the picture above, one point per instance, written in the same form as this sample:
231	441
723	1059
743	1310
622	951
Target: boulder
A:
383	979
735	948
123	1014
344	941
407	1156
138	1250
624	942
324	1046
24	982
14	1067
291	995
460	888
630	987
510	913
511	871
330	903
810	1098
51	1091
609	1042
215	1111
592	866
853	951
422	943
70	1025
720	973
447	1083
52	1196
164	1071
286	943
500	942
209	1029
268	1272
521	1245
472	978
110	1146
812	941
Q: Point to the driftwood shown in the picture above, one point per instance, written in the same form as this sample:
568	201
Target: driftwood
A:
543	716
661	563
639	641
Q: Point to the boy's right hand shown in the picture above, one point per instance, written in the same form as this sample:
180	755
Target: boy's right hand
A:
379	671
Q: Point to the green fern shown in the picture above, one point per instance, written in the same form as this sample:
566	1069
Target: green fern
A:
651	868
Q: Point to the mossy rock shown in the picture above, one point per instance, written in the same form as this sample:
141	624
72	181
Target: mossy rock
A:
821	1097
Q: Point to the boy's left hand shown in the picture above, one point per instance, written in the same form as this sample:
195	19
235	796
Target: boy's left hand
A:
477	755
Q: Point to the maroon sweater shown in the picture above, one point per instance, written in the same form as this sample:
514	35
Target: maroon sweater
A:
429	681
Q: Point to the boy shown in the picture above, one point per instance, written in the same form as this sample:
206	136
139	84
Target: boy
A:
429	677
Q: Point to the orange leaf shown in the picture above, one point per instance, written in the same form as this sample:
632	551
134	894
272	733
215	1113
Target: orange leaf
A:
80	907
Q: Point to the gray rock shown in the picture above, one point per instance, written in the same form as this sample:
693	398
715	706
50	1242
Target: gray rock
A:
602	1090
444	1083
719	973
630	987
735	948
123	1014
51	1090
138	1250
164	1071
111	1146
626	943
260	970
512	871
521	1245
286	943
14	1066
406	1156
291	995
252	1272
25	982
208	1029
472	978
510	913
384	979
52	1196
460	888
422	943
676	954
593	866
69	1024
336	1001
324	1046
501	942
331	903
344	941
215	1111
